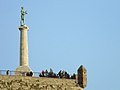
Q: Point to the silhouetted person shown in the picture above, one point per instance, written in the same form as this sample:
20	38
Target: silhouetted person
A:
40	75
67	76
46	73
73	76
31	73
43	73
27	74
60	74
7	72
50	74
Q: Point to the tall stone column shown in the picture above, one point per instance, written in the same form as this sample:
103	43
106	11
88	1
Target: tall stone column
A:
24	63
23	45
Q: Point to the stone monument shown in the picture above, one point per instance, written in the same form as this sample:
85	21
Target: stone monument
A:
82	76
24	63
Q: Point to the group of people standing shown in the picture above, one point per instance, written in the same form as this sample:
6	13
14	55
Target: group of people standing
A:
61	74
51	74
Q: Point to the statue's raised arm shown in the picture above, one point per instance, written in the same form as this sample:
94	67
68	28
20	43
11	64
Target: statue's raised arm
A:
23	13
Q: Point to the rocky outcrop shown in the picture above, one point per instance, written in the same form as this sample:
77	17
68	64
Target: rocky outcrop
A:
36	83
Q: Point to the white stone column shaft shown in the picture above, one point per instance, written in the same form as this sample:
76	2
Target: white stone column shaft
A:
24	46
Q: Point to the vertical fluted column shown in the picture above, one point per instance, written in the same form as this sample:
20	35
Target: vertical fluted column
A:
24	45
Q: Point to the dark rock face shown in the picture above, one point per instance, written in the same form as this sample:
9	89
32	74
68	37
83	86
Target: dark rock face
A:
82	76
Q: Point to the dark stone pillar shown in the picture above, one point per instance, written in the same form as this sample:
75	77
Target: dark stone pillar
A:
82	76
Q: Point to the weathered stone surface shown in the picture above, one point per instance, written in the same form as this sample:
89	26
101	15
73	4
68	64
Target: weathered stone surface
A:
21	70
82	76
23	45
32	83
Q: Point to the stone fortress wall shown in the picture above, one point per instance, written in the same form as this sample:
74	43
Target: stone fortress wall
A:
9	80
36	83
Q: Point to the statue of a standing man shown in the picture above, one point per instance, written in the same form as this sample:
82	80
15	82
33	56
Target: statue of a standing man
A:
23	13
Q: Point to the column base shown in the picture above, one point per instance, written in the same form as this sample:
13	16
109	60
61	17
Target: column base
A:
22	70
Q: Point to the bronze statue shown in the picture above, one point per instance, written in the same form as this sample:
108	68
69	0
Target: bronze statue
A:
23	13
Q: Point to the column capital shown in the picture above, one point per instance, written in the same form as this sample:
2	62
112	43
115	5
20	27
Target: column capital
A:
23	27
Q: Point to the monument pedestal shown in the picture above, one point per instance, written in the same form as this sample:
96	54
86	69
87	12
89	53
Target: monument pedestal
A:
22	70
